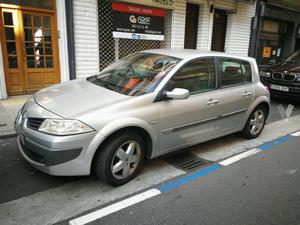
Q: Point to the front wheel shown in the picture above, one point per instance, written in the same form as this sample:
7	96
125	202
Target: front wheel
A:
120	159
255	123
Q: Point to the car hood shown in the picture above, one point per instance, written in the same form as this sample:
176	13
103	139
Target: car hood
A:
286	66
75	98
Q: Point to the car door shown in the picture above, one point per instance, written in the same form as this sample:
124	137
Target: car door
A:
186	121
235	94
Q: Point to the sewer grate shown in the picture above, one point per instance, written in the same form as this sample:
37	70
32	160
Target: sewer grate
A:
186	161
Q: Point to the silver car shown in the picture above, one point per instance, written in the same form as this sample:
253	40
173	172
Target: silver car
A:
145	105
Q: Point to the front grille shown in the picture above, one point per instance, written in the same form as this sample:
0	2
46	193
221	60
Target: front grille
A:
277	76
34	123
289	77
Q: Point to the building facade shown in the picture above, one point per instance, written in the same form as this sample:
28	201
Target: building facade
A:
44	42
275	31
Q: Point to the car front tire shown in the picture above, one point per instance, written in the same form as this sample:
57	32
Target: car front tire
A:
120	159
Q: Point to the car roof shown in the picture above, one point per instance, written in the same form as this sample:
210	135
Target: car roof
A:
193	53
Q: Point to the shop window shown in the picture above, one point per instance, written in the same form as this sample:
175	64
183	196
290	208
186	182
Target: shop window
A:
197	76
270	26
109	49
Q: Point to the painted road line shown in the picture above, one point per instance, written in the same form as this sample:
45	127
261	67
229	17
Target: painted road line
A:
238	157
114	207
166	187
277	141
296	134
194	176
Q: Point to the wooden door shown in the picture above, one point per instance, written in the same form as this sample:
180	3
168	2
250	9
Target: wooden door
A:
30	50
12	51
219	31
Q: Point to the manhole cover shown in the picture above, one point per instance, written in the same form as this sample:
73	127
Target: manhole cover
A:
186	161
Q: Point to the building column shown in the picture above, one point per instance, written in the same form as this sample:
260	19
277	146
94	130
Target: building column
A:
178	24
3	93
62	41
205	27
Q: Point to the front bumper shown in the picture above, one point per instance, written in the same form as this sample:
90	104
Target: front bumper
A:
56	155
294	89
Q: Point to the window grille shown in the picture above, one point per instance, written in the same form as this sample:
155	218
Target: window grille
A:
107	43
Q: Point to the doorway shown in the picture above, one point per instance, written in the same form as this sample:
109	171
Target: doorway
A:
29	49
191	26
219	31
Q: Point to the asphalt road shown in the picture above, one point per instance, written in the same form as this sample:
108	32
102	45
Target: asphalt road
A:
19	179
261	189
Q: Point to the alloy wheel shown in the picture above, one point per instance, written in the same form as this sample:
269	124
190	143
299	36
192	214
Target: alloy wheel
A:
257	122
126	160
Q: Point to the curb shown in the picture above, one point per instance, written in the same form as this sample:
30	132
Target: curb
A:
8	133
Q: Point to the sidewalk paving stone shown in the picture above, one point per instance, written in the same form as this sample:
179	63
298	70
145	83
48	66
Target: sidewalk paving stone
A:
8	111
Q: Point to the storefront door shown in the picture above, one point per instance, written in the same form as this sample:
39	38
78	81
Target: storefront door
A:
29	49
219	31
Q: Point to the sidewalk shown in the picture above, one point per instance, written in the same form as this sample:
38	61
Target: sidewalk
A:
8	111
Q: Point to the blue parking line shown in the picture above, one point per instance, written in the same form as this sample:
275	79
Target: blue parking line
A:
277	141
194	176
210	169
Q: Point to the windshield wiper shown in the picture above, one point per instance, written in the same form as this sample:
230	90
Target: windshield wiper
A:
102	83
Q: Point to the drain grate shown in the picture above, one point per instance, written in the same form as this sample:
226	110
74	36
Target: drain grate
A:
186	161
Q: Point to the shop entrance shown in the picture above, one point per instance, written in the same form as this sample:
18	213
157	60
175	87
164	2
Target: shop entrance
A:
29	49
219	31
191	26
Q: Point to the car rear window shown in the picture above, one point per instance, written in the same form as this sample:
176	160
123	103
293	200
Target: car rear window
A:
234	72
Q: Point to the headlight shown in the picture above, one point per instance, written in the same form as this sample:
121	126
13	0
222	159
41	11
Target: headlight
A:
64	127
265	74
298	77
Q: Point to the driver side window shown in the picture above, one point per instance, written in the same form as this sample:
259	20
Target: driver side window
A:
196	76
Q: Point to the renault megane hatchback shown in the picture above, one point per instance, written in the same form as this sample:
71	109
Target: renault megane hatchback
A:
145	105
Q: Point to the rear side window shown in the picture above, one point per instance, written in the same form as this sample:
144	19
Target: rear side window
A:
234	72
196	76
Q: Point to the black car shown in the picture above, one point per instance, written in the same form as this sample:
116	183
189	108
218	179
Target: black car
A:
283	79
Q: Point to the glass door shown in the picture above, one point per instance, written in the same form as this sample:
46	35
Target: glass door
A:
39	50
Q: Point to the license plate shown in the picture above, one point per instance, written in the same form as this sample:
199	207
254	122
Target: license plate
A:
279	88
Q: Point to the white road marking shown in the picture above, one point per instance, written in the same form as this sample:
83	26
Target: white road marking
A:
114	207
238	157
296	134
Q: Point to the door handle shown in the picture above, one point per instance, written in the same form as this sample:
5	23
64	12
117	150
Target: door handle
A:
212	101
246	94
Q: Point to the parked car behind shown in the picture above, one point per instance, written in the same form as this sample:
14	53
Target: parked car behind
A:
283	79
147	104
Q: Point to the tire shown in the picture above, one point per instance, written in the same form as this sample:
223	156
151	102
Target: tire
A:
249	131
123	153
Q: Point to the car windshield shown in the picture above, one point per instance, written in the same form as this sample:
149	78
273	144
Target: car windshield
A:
294	58
136	74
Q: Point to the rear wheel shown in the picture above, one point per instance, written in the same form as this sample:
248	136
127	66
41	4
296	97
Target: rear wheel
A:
255	123
120	159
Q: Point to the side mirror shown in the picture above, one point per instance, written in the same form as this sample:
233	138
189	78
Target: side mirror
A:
178	93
